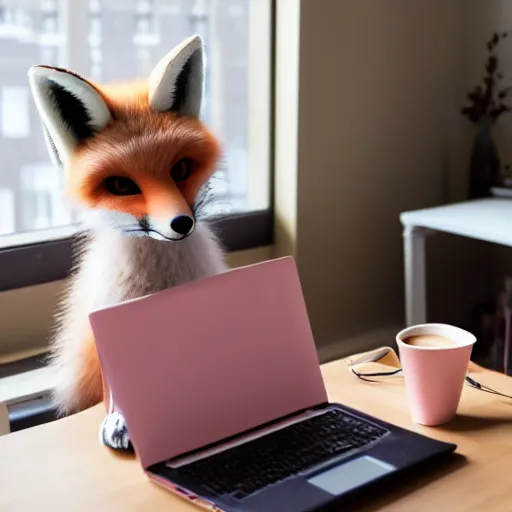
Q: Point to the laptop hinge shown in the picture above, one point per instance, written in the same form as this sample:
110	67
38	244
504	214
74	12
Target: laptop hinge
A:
245	437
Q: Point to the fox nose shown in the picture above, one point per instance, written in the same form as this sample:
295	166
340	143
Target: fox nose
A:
182	224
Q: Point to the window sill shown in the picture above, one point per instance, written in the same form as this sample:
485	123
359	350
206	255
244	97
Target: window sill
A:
27	385
25	388
31	414
48	258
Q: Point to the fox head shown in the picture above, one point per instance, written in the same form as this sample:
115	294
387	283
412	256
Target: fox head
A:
135	154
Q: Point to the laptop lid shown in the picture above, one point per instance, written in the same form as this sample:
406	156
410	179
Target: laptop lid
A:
206	360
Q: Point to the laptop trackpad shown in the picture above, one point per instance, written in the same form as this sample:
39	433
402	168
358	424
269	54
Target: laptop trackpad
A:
351	474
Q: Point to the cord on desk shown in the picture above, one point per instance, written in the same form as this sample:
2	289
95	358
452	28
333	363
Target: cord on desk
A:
472	382
487	389
363	376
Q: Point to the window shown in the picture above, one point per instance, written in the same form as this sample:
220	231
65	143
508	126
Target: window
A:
94	6
15	112
146	27
144	60
49	54
6	212
109	40
50	16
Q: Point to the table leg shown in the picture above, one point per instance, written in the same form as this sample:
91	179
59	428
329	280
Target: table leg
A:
415	274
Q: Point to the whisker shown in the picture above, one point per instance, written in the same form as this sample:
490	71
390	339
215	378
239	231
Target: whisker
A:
151	230
126	226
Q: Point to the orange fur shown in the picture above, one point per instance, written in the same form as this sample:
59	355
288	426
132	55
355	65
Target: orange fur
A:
142	145
106	393
89	379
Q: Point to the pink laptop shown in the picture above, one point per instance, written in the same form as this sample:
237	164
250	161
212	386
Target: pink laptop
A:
205	370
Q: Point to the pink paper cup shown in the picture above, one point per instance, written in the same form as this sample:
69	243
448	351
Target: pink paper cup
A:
434	376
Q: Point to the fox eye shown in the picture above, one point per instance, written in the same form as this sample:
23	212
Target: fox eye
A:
120	186
180	171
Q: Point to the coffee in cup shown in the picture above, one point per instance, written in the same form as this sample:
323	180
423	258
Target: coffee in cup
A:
434	360
429	340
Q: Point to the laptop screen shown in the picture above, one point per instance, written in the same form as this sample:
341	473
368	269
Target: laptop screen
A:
207	360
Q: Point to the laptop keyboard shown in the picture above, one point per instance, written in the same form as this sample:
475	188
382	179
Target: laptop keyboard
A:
247	468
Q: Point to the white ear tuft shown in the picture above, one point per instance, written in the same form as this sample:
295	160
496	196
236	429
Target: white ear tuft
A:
176	83
71	109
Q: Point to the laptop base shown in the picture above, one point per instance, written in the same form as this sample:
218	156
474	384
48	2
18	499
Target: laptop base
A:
389	452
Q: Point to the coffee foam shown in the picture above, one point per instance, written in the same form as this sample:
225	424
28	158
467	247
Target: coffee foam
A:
429	340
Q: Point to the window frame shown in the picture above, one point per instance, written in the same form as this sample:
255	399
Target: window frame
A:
46	260
52	260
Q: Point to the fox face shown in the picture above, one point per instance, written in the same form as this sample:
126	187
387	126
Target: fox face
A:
136	154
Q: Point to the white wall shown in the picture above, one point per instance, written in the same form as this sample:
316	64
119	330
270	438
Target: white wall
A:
379	132
486	18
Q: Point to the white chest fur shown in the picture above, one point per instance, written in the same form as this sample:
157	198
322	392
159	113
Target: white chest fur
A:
116	267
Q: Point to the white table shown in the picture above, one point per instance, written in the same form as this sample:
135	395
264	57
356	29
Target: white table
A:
489	220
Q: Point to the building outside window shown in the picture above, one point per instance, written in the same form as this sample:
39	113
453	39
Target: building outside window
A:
110	40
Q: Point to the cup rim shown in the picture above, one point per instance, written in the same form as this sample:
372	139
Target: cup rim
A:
470	338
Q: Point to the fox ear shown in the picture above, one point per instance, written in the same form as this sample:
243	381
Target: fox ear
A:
71	109
176	83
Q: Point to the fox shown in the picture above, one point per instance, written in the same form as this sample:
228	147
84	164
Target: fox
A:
136	158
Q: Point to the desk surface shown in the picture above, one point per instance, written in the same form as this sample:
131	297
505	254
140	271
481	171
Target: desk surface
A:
61	466
482	219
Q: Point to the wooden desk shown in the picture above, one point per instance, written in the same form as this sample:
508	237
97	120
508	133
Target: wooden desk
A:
61	466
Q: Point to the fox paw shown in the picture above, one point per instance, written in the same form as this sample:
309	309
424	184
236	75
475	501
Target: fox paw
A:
114	432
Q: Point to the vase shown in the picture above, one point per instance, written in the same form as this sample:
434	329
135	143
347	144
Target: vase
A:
485	167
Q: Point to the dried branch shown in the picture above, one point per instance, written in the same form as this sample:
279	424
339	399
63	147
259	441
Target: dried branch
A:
487	100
